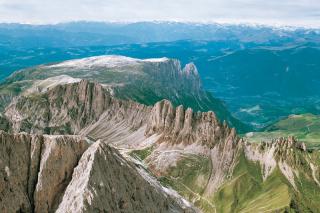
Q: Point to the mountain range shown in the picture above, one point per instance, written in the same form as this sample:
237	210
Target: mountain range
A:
120	134
75	34
241	74
145	81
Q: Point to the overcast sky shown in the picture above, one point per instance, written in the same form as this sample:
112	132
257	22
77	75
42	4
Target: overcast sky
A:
280	12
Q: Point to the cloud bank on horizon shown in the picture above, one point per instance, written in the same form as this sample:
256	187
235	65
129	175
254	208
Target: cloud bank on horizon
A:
271	12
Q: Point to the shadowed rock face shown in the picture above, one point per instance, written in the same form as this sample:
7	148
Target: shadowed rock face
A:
5	125
36	169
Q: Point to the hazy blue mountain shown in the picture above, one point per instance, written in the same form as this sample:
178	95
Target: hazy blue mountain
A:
98	33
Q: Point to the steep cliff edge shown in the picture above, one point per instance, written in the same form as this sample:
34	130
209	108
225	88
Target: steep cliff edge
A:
105	182
36	169
67	109
177	125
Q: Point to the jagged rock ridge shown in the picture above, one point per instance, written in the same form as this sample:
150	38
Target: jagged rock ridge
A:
35	170
178	125
37	175
105	182
67	109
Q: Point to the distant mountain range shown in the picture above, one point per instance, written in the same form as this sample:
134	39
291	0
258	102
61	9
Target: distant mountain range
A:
75	34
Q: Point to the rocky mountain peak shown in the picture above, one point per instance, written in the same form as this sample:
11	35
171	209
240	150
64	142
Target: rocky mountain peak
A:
179	125
81	106
285	149
35	169
67	109
283	143
191	70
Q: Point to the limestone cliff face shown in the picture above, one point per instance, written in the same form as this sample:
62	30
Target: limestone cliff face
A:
59	155
67	109
43	174
36	169
104	181
177	125
177	79
184	132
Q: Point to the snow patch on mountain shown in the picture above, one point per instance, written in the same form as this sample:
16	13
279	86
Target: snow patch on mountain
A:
108	61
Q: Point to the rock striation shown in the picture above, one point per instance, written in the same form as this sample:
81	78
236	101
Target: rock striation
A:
67	109
5	125
104	181
42	173
35	170
177	125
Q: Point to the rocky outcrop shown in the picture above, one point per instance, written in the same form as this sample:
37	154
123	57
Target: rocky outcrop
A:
5	125
184	132
19	167
67	109
105	182
224	158
170	73
177	125
36	169
59	155
287	154
280	149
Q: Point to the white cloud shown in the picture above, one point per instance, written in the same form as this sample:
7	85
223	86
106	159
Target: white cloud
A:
287	12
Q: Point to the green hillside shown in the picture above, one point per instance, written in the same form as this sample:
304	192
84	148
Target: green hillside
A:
305	127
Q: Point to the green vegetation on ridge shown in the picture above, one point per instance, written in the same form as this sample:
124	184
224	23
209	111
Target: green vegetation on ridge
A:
305	128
